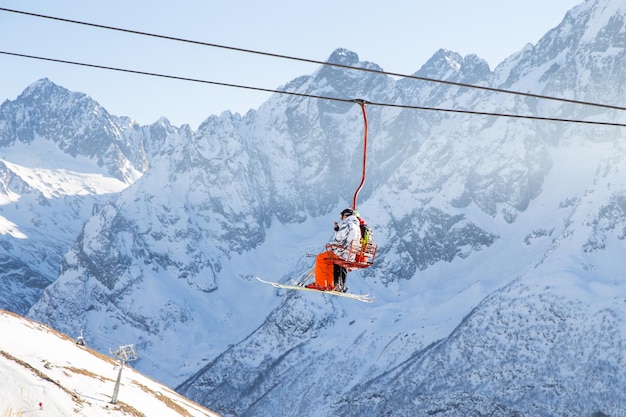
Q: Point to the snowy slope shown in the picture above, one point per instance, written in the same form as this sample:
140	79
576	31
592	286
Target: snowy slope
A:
45	372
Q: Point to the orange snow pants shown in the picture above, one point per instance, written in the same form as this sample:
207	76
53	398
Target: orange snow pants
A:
324	269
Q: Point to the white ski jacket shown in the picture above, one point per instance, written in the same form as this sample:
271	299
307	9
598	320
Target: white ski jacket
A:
347	235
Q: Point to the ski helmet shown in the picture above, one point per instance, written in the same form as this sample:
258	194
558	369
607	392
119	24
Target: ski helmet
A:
347	212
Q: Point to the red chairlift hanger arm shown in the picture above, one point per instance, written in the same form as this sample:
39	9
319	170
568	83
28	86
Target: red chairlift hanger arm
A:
362	103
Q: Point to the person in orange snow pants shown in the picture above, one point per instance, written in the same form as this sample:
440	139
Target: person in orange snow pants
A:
328	275
324	269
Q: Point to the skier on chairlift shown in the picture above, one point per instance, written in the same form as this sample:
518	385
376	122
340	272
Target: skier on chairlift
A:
352	247
330	275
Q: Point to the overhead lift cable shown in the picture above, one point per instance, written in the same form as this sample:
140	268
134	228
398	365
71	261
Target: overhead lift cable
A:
313	61
293	93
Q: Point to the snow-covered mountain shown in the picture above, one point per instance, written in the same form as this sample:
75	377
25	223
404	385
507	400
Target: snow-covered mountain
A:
45	372
498	285
62	156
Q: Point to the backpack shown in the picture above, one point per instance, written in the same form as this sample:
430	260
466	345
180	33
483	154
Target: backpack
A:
367	234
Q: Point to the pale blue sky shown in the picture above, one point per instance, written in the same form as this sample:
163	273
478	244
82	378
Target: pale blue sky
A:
398	35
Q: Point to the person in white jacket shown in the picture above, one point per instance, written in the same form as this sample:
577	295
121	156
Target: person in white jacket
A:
328	274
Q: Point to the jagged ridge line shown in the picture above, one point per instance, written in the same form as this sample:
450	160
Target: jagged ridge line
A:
313	61
293	93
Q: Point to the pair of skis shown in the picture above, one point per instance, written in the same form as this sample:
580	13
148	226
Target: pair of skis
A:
366	298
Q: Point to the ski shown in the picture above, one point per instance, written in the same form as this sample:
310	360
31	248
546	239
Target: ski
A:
366	298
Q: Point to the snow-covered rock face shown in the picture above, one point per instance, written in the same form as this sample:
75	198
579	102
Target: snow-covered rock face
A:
499	237
469	206
62	157
536	347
